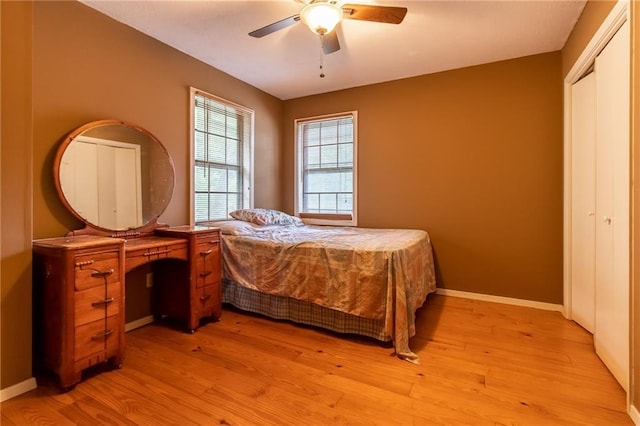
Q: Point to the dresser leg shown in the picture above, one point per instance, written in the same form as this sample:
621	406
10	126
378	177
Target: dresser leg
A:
66	389
68	381
116	361
192	324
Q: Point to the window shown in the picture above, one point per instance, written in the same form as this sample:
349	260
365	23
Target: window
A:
326	157
222	157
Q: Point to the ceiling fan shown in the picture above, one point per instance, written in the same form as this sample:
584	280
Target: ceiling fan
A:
322	16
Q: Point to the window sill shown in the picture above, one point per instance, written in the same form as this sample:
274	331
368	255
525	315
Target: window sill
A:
328	219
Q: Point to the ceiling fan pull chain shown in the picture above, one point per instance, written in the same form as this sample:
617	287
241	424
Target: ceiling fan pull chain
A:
322	56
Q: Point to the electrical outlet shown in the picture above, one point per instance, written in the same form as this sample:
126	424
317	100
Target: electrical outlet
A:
149	279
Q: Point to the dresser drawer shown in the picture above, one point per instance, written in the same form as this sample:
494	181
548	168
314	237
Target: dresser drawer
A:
209	297
92	270
208	237
208	265
140	256
97	303
97	337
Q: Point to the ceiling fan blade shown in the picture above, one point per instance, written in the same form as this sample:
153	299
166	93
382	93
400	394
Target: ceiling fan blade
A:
385	14
272	28
330	42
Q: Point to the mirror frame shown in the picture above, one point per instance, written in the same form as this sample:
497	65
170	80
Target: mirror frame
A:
94	229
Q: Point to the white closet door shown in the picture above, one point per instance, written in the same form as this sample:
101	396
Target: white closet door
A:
583	207
119	191
612	206
127	186
79	180
107	195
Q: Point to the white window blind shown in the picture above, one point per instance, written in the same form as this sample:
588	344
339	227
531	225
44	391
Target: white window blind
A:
222	141
326	168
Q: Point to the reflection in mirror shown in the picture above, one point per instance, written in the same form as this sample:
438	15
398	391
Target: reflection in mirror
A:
106	191
114	176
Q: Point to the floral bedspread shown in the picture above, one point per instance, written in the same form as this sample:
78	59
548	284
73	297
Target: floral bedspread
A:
373	273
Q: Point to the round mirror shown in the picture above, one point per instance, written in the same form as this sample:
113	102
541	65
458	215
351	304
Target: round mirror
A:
114	175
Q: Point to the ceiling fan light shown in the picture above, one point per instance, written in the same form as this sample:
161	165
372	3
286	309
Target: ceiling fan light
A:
321	18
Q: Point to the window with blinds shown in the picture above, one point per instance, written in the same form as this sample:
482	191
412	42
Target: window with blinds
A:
326	169
222	145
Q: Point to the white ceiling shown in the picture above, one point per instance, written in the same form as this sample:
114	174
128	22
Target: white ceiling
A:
434	36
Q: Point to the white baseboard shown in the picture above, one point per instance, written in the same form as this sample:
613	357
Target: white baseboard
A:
138	323
634	414
500	299
18	389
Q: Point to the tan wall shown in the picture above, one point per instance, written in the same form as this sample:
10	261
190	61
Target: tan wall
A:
473	156
15	193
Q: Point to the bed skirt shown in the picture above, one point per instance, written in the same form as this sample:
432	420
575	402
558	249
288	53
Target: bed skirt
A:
299	311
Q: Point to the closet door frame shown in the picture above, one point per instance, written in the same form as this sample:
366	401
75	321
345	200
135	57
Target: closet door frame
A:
616	18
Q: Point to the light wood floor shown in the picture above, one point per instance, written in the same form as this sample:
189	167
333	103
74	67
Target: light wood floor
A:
481	363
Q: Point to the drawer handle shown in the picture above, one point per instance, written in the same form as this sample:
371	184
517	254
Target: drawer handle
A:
102	274
102	302
157	252
102	335
205	253
203	298
84	263
205	274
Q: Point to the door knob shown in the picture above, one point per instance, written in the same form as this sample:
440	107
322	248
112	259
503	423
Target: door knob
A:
606	220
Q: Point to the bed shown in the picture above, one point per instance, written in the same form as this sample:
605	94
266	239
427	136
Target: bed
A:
362	281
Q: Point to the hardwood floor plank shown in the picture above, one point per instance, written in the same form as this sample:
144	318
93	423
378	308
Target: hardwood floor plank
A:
485	407
334	354
280	406
139	409
185	404
539	386
88	411
481	363
230	364
287	333
31	412
377	402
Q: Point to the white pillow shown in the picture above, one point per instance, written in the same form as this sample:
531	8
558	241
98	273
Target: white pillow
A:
235	227
266	217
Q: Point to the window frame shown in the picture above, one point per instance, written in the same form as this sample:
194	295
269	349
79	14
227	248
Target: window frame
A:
247	165
336	219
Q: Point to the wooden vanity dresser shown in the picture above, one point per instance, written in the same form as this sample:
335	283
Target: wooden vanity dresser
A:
117	179
79	288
